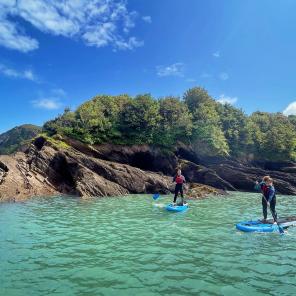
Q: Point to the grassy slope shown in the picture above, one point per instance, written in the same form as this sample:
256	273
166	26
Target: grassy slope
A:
11	140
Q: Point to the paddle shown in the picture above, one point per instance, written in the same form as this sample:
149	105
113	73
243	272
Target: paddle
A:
281	230
155	196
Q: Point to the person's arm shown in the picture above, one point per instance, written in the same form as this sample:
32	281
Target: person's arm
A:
258	186
184	180
271	194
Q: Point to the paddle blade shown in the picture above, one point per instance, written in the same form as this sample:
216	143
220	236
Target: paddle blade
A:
155	196
281	229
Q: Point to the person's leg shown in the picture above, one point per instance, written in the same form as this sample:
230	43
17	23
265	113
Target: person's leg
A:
176	193
272	208
264	208
177	190
182	195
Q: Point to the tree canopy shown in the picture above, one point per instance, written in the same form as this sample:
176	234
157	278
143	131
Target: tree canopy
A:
196	119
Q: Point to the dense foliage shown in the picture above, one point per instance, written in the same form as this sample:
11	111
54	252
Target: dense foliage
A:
14	138
213	129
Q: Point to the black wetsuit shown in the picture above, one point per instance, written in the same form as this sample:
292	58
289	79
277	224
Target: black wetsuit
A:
180	180
269	195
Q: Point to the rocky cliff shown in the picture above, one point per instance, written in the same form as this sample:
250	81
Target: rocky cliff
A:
66	166
221	173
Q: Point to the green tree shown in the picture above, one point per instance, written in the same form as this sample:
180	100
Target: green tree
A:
175	123
99	117
63	124
196	96
273	135
235	129
139	119
207	135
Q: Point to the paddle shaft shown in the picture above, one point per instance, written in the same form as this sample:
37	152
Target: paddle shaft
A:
275	220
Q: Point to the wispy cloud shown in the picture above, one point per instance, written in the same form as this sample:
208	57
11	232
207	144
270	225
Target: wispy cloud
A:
205	75
47	103
19	74
97	22
147	19
290	109
58	92
14	38
176	69
191	80
216	54
52	101
227	100
223	76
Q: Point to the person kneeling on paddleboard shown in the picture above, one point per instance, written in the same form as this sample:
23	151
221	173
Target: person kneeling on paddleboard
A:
179	179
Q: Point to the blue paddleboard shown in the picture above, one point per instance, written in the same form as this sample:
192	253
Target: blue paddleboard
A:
256	226
176	208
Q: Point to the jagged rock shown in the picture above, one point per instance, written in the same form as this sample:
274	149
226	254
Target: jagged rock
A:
44	170
242	177
197	191
49	166
141	156
201	174
19	183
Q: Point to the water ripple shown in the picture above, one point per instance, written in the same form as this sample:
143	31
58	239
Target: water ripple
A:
130	246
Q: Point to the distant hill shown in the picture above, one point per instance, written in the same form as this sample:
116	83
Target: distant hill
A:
11	140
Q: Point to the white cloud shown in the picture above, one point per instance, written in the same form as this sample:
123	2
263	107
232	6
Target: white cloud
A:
227	100
176	69
28	74
51	101
11	37
216	54
147	19
131	43
97	22
13	73
224	76
47	103
290	109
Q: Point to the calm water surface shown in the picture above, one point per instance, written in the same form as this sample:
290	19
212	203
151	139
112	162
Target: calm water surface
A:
130	246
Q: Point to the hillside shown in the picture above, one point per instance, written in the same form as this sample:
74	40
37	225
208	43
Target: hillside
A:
11	140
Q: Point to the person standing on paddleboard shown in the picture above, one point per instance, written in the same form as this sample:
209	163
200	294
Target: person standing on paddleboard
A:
179	179
268	196
270	200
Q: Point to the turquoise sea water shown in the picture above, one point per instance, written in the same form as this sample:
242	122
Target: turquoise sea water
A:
132	246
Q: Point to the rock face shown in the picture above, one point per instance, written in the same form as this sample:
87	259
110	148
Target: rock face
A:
46	170
18	182
243	176
220	173
73	168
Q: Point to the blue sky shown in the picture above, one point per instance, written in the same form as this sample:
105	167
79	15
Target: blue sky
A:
63	53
